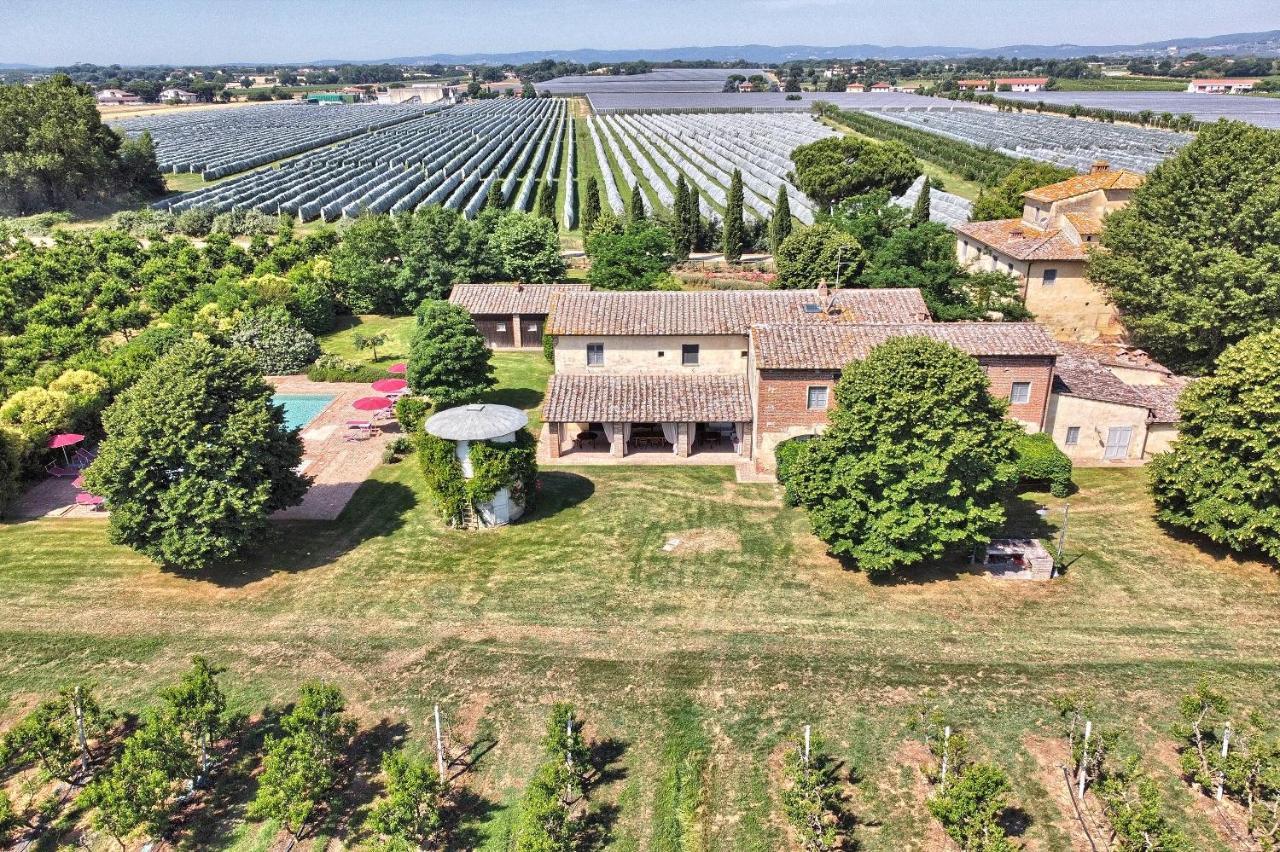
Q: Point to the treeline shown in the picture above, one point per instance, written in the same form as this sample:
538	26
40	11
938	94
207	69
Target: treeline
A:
1147	118
56	154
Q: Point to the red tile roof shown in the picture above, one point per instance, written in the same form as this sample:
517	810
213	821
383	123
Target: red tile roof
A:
508	299
1087	378
800	347
725	311
646	398
1020	241
1083	184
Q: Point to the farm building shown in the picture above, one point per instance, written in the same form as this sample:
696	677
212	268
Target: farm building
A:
468	425
1004	84
117	96
511	316
727	376
180	96
855	87
1223	85
1047	248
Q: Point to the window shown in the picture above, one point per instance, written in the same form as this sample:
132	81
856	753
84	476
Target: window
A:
533	326
689	354
661	353
595	354
502	326
817	398
811	308
1050	277
1073	436
1021	393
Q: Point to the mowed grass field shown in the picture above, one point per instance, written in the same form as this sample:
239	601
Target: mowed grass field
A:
695	666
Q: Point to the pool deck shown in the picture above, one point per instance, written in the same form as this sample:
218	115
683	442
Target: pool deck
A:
336	466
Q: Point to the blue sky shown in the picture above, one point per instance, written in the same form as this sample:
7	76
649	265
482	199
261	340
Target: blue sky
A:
214	31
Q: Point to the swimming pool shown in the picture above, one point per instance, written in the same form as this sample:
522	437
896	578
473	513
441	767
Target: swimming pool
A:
301	408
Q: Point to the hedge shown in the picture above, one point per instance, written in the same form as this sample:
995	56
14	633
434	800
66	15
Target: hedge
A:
1040	461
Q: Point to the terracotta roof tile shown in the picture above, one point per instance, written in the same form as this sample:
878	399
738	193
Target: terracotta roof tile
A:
1081	184
510	299
1084	224
1115	355
1086	378
646	398
1163	399
799	347
1021	241
724	311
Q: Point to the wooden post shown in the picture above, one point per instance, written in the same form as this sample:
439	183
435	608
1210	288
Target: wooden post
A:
1222	774
806	745
946	741
439	746
78	699
1083	774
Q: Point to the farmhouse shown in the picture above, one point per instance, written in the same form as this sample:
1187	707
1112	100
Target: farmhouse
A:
732	374
1004	84
510	316
117	96
1047	248
180	96
1223	85
855	87
880	87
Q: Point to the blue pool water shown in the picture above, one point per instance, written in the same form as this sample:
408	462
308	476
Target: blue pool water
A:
300	409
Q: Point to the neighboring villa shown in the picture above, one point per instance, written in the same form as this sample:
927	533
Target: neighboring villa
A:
510	316
117	96
1047	248
1223	85
1004	84
735	373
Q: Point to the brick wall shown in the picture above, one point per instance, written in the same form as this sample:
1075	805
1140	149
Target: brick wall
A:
1003	372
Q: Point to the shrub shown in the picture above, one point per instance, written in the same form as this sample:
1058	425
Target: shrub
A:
333	368
785	455
87	391
449	361
411	411
279	344
1040	461
549	348
397	449
314	306
11	444
37	413
195	222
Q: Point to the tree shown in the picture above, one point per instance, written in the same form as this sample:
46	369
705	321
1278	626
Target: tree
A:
410	813
546	822
448	360
196	458
546	201
920	211
918	458
55	736
198	708
439	249
139	170
278	342
1191	261
840	167
679	209
970	807
637	212
812	800
633	259
1004	200
818	253
529	248
371	342
731	243
1219	479
1132	804
780	223
136	792
300	769
590	204
366	264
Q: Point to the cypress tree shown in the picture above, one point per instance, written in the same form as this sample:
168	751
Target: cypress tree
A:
920	212
732	244
780	224
546	205
590	204
678	209
637	205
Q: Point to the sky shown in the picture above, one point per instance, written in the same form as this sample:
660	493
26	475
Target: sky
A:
56	32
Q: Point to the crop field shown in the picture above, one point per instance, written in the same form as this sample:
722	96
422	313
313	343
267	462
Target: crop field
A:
1051	139
665	80
654	150
1264	112
453	158
717	101
218	143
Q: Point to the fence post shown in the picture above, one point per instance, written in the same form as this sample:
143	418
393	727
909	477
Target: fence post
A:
439	746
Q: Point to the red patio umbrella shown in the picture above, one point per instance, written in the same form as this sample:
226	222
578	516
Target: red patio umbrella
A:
398	368
389	385
62	440
371	403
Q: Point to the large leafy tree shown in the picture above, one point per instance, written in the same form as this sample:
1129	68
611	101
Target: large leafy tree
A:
366	265
814	254
55	152
839	167
439	249
917	460
278	342
449	362
1193	262
196	458
1221	479
528	247
1004	200
633	259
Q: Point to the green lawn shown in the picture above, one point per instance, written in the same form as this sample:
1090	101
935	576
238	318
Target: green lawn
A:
697	665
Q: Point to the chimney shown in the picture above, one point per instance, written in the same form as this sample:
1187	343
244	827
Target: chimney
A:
824	295
1100	166
519	286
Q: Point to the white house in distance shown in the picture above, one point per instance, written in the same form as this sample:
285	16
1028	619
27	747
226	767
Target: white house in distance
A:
180	96
117	96
1223	85
1013	84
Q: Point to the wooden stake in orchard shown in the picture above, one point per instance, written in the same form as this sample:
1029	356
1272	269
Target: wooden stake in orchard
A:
439	747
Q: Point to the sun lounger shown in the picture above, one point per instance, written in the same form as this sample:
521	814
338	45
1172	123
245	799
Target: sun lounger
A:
58	471
84	498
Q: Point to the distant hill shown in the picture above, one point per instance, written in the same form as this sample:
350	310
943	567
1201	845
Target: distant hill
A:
1258	44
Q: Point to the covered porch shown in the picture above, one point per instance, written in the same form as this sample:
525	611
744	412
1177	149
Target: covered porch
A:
658	418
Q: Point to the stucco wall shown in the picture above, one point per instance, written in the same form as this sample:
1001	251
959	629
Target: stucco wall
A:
1094	419
1159	437
631	354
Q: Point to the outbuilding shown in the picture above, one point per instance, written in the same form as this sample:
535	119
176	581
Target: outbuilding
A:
466	427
